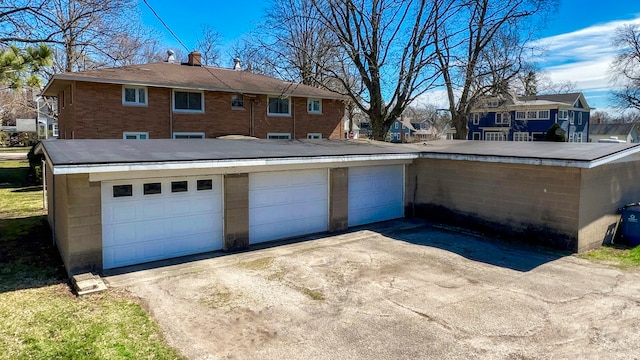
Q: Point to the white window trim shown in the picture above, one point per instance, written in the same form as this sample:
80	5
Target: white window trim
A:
269	135
54	129
186	111
137	102
479	134
136	134
314	136
498	135
521	136
566	114
288	114
319	111
580	118
476	119
188	134
505	118
544	117
521	117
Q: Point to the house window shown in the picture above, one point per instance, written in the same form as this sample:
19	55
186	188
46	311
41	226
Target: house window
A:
572	116
543	114
521	115
206	184
493	104
122	190
135	135
502	118
134	95
188	135
237	101
55	131
537	136
563	115
314	106
179	186
476	118
278	136
188	101
578	137
279	106
314	136
579	118
395	125
152	188
494	136
477	136
521	136
532	114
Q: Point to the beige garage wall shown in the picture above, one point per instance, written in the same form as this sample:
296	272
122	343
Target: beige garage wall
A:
605	189
532	203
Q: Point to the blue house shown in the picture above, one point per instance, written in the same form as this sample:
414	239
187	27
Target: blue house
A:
398	127
527	118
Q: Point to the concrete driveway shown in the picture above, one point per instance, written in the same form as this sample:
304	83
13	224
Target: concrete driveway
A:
400	290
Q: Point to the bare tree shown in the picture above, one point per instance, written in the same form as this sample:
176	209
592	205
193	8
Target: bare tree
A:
388	44
83	34
625	69
466	39
436	120
209	46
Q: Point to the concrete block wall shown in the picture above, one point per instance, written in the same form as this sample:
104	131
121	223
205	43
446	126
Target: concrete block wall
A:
236	212
78	222
605	189
538	204
97	112
338	199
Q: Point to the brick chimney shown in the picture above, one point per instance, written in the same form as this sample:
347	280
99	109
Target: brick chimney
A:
195	58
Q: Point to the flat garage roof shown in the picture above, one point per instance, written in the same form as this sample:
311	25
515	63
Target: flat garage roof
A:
92	153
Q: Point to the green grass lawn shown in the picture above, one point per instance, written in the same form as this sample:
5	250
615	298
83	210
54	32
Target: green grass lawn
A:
15	149
617	256
40	318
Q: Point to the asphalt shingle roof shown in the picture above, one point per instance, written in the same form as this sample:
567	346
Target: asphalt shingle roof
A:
611	129
173	75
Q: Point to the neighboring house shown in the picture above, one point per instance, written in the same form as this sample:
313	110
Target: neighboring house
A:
47	124
528	118
170	100
354	133
397	135
625	132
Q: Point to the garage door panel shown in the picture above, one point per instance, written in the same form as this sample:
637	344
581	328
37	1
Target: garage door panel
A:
376	193
142	228
287	204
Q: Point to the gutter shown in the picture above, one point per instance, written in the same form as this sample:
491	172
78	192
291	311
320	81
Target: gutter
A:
217	164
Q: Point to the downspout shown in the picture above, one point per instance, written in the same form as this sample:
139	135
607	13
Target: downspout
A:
251	117
293	113
170	114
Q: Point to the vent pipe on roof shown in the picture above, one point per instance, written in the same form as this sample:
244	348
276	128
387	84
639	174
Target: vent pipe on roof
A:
195	58
170	57
236	64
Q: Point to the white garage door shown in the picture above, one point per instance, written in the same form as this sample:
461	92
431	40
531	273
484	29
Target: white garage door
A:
153	219
375	193
284	204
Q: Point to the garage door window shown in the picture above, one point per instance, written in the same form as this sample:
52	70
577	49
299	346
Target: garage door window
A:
122	190
204	185
179	186
152	188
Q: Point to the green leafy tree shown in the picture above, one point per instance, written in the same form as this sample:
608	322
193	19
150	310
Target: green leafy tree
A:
20	67
555	133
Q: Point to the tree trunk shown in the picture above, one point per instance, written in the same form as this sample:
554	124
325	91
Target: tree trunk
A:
460	122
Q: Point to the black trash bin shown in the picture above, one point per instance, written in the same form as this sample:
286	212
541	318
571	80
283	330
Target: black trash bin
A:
631	224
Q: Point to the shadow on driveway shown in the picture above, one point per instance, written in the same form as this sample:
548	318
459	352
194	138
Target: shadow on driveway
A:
512	255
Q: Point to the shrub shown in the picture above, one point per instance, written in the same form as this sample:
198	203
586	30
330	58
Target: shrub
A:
35	165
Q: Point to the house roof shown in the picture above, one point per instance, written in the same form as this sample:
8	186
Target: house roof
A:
611	129
173	75
568	98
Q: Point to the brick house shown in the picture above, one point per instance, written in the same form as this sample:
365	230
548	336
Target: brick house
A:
172	100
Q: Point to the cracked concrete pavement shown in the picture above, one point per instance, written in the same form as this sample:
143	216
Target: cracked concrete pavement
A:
397	290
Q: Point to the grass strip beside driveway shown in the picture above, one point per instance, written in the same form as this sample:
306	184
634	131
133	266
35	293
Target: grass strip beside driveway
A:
39	316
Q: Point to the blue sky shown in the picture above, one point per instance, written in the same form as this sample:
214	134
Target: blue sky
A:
577	37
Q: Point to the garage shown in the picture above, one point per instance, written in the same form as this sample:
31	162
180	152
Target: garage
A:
285	204
375	193
152	219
